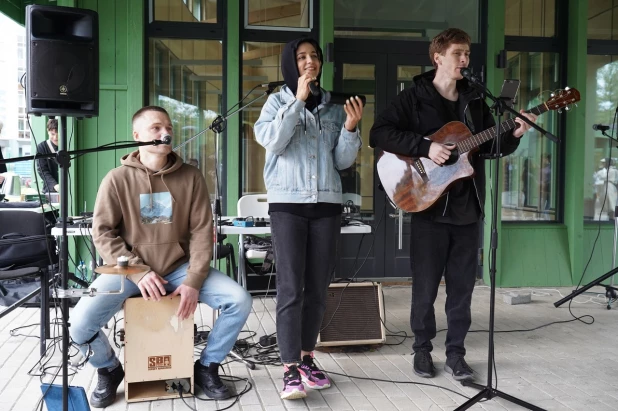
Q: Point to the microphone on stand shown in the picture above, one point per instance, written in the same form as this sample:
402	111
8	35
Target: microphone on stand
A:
600	127
467	73
165	139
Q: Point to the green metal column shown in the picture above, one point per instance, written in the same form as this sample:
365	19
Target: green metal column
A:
495	43
327	35
575	146
233	137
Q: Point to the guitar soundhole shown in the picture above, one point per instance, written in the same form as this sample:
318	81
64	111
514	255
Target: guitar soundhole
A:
453	157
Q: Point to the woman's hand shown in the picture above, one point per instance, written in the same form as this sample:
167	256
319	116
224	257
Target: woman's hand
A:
354	109
302	91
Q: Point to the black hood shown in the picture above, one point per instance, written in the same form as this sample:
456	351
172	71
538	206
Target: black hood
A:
289	68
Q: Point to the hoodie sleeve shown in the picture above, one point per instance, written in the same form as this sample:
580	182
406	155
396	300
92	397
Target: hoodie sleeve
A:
392	130
105	228
201	230
275	127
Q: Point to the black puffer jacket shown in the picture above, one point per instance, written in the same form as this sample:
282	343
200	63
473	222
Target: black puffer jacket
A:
418	111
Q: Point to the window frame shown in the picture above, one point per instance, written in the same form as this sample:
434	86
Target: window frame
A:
597	47
557	44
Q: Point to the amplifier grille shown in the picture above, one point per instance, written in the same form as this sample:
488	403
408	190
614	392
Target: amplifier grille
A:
352	314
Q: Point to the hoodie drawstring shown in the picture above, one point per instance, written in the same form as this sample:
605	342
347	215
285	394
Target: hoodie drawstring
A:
150	188
319	122
168	189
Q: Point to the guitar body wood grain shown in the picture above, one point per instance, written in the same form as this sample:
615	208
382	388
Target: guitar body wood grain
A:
405	186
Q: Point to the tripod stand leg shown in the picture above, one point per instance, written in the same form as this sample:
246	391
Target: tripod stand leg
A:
489	393
236	357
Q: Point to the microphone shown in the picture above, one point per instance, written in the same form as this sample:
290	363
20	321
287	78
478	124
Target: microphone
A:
340	98
600	127
273	84
315	89
165	139
467	73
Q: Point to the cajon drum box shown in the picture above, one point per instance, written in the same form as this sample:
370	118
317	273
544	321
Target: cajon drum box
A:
157	348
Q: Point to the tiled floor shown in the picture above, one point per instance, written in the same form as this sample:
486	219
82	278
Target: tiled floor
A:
566	366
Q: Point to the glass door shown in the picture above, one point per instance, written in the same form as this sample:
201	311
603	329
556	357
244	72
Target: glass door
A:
380	76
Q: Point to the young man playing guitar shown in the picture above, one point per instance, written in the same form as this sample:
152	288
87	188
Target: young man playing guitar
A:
445	236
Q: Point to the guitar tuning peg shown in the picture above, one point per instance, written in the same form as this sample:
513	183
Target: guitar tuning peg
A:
552	95
567	88
559	110
567	108
576	105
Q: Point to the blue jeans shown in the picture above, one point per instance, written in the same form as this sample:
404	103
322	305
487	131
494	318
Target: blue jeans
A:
218	291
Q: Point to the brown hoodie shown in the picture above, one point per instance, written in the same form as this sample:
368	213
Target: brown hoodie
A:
160	219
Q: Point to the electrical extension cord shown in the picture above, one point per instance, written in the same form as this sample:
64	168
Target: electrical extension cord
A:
268	341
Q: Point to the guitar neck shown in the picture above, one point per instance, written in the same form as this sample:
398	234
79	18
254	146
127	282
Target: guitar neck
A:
480	138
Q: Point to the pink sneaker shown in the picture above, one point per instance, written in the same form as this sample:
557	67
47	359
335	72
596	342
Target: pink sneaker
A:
311	374
293	387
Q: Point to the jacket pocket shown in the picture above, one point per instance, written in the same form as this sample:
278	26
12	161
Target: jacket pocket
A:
159	257
330	133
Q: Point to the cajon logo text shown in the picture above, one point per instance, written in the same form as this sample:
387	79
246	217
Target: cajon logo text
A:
159	362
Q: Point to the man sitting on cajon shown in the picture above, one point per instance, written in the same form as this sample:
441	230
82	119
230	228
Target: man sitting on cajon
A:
156	211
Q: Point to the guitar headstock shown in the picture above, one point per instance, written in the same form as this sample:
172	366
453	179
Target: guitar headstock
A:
563	99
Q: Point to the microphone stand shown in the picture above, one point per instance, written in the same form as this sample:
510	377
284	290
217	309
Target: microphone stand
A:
610	290
488	391
218	125
63	158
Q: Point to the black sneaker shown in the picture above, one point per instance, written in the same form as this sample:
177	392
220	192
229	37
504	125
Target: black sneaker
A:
423	364
108	381
208	380
459	369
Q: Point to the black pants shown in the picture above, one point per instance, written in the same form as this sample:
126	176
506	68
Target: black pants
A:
437	249
305	256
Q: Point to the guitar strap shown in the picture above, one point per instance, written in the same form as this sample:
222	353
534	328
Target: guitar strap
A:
469	120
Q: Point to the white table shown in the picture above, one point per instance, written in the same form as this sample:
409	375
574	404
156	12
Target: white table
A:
355	227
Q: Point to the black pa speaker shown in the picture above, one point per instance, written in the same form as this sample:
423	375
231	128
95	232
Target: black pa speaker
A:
62	61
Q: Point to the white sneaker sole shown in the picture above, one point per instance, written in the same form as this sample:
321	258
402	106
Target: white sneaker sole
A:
315	386
294	395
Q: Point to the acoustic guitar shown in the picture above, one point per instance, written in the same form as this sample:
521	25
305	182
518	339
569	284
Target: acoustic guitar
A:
413	184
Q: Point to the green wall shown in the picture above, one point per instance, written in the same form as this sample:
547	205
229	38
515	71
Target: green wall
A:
528	254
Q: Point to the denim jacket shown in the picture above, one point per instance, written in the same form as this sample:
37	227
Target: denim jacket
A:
304	150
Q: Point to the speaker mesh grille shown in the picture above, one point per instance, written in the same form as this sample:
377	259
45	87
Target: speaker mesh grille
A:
352	313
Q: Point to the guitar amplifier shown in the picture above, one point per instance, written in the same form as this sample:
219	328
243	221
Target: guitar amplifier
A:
353	316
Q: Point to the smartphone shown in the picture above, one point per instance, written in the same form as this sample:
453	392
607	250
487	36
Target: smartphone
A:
509	91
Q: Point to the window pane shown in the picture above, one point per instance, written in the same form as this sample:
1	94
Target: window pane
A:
530	18
405	20
530	189
277	13
603	19
601	176
357	182
204	11
186	78
261	64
